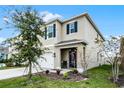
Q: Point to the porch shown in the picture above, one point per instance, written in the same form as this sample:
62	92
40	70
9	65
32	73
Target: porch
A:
68	55
69	58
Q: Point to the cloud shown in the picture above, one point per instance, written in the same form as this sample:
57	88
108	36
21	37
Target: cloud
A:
49	16
5	19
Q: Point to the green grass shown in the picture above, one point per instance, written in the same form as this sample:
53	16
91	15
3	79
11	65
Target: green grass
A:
3	68
98	77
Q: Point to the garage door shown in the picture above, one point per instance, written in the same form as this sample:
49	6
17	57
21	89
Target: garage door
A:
49	62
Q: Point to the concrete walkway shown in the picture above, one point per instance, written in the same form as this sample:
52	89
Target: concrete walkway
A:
16	72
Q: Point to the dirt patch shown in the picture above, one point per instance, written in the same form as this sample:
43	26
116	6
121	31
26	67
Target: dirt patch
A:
71	77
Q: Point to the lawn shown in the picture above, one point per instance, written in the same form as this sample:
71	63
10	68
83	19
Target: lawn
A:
3	68
98	78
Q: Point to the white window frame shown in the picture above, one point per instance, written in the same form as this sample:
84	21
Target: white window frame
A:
50	29
71	28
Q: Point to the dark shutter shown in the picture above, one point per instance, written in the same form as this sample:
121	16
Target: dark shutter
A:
76	26
45	32
67	28
54	30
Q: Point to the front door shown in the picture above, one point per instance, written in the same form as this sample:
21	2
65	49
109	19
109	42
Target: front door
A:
72	58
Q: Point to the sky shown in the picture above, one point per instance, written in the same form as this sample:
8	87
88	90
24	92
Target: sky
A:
109	19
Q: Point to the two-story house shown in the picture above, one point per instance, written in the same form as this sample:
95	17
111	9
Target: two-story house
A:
71	42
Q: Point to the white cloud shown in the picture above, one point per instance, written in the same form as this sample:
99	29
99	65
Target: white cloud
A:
5	19
49	16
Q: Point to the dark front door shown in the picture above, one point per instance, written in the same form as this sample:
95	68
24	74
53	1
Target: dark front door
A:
72	58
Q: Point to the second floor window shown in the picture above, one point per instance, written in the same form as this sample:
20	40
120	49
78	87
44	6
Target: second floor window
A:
72	27
50	31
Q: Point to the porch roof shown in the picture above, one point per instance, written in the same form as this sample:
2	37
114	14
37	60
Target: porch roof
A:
68	42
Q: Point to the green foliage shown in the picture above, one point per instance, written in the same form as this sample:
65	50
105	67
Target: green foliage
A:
65	75
74	71
122	54
27	43
8	62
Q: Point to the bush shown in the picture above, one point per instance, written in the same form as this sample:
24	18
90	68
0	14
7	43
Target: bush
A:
74	71
58	71
65	75
47	71
8	62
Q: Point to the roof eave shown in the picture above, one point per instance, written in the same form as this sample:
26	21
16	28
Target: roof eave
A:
49	22
94	25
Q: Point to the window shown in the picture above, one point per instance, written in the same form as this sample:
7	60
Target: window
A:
50	31
72	27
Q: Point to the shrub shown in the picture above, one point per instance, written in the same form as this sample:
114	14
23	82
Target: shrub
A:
65	75
47	71
8	62
58	71
74	71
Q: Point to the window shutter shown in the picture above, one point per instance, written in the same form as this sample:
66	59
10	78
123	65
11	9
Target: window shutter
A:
54	30
76	28
45	32
67	28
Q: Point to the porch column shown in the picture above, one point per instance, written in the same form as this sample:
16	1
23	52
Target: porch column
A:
79	58
57	63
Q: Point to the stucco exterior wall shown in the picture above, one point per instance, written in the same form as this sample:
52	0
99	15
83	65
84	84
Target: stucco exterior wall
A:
78	34
92	48
53	40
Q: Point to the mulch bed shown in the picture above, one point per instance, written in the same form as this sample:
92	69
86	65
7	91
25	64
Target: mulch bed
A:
121	80
71	77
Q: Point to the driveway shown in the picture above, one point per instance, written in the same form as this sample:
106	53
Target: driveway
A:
16	72
10	73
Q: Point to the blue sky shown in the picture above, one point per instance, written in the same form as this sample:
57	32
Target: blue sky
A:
109	19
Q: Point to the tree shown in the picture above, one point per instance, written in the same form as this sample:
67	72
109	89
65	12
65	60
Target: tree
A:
122	53
111	52
26	46
84	62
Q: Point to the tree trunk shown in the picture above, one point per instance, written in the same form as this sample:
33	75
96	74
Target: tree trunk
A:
122	54
30	70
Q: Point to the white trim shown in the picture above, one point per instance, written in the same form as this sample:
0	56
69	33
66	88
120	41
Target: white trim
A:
76	42
49	46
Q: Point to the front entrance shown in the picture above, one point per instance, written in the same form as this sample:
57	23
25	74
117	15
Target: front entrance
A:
69	58
72	58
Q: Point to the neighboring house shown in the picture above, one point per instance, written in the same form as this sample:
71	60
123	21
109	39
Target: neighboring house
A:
3	53
71	41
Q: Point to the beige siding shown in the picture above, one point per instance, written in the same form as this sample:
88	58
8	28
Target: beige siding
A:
77	35
92	48
53	40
